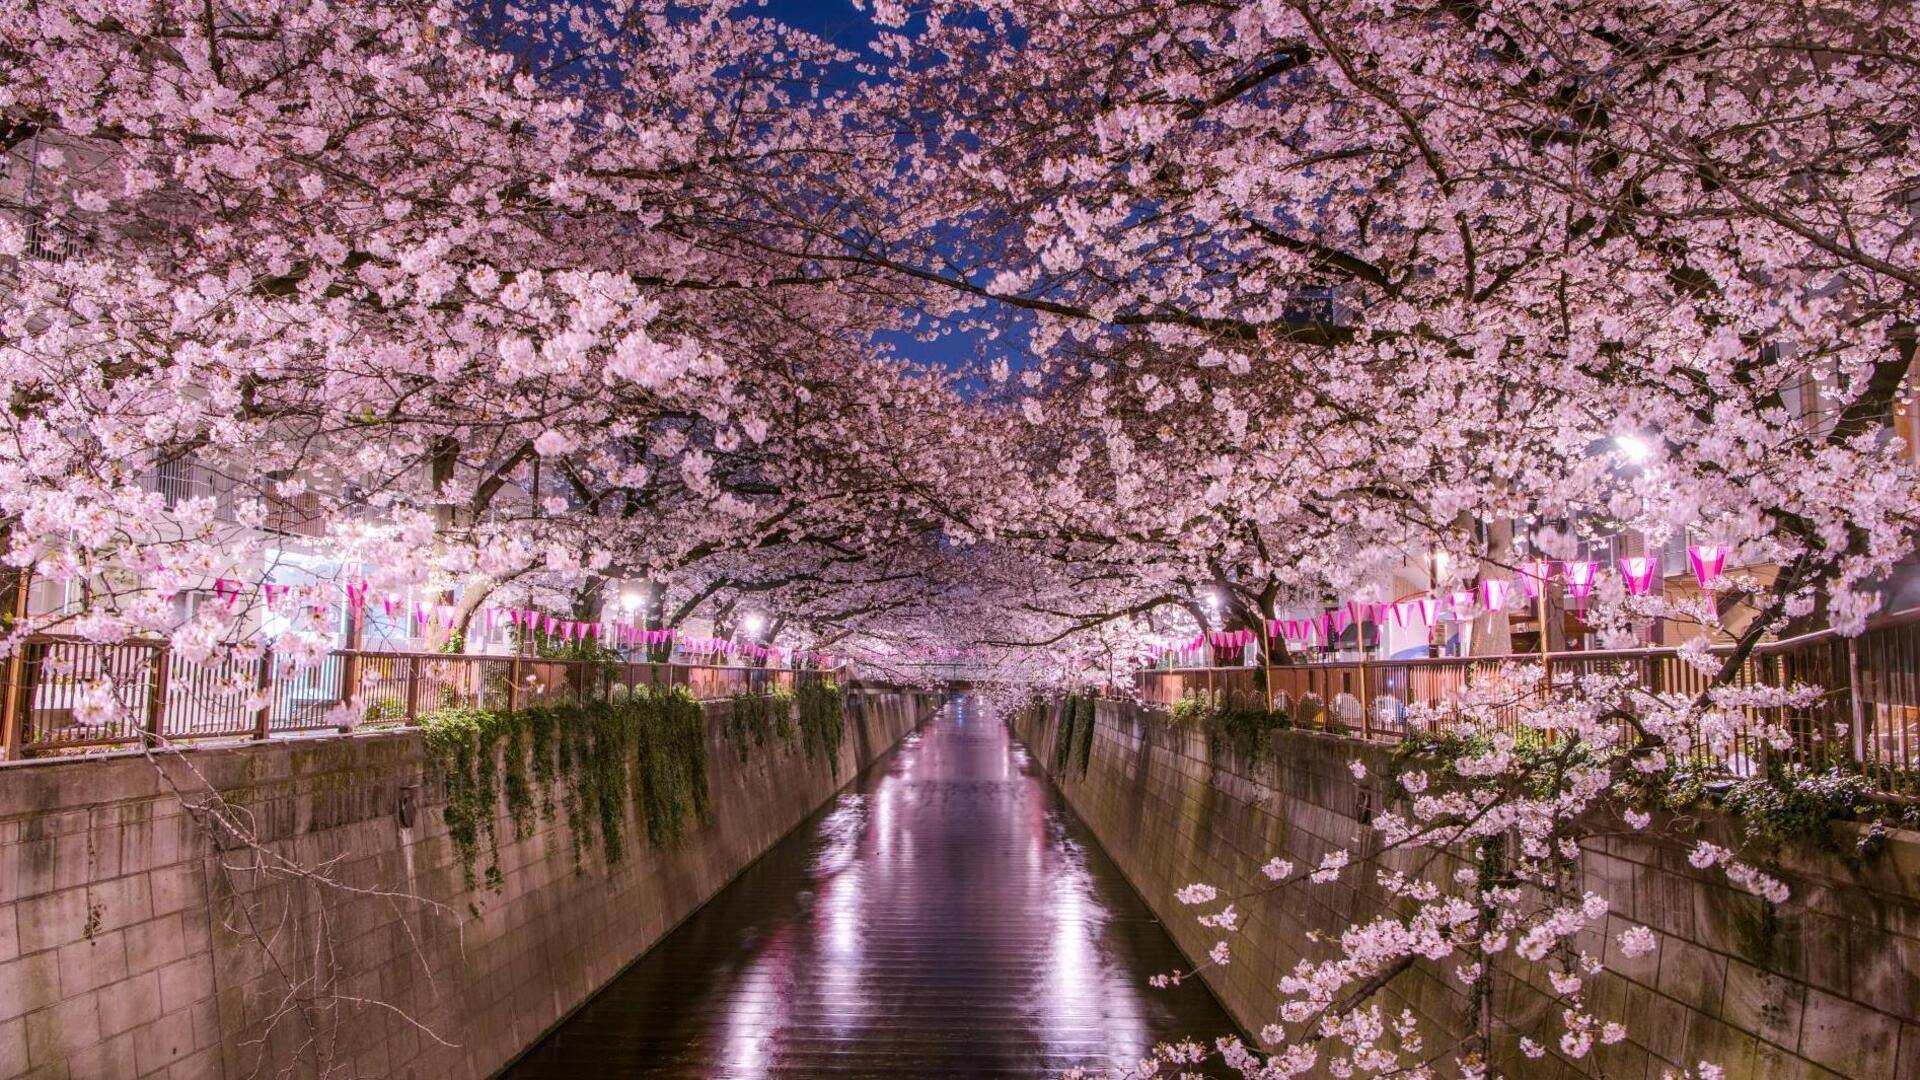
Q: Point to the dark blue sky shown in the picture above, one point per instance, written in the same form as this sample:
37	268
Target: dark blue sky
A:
839	22
836	20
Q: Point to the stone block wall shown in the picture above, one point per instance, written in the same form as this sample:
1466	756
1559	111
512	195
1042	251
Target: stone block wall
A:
131	946
1831	989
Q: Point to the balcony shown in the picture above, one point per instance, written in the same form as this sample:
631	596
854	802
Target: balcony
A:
182	478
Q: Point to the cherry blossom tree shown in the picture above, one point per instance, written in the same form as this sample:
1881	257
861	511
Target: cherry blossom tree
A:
1272	298
1423	271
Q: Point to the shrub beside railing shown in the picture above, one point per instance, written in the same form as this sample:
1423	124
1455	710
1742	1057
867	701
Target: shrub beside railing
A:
1870	713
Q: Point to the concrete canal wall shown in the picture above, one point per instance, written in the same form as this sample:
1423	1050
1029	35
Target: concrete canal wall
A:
131	941
1832	990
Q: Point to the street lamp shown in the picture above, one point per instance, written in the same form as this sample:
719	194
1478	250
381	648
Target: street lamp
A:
753	624
1632	447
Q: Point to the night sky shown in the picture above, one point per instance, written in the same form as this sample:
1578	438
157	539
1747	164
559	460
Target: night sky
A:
836	20
841	23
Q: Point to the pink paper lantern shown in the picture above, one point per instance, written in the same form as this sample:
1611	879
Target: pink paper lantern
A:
1494	593
1428	608
1462	603
1638	570
1708	560
1534	576
1580	578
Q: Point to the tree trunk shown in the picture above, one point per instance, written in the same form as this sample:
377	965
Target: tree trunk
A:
1492	631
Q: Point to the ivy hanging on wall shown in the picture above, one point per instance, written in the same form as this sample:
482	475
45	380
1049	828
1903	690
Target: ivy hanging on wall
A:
1233	723
822	721
644	748
1073	745
1063	742
760	717
1085	732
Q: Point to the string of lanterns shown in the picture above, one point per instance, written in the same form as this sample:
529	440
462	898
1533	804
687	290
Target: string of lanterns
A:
1637	573
421	614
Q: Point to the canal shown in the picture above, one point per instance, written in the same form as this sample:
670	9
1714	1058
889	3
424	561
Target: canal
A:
944	916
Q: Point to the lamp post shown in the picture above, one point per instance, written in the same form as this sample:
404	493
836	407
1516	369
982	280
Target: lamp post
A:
753	624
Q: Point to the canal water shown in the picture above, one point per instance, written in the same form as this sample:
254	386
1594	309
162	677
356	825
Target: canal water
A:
944	916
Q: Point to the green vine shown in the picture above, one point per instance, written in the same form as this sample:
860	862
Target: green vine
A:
759	717
1231	723
822	721
673	768
1244	729
1191	710
646	749
1063	742
1074	741
1085	733
1786	804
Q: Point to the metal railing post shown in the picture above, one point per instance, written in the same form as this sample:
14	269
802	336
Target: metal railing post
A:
350	665
14	710
17	706
513	681
1366	704
157	665
1857	729
263	720
413	690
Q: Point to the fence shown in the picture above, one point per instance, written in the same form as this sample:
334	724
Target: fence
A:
68	694
1870	709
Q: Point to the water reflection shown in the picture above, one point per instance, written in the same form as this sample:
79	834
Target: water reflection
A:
942	917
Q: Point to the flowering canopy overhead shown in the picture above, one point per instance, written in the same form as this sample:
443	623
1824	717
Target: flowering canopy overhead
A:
1268	296
636	299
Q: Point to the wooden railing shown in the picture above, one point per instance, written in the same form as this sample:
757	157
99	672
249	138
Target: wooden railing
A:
64	694
1870	709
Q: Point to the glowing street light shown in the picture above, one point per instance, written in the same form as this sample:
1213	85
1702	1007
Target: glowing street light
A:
1634	448
753	624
